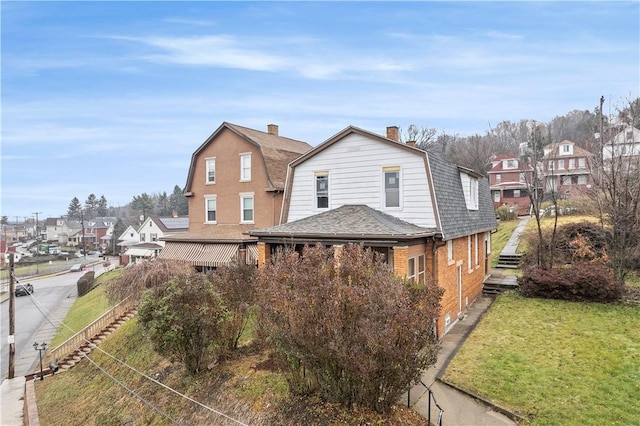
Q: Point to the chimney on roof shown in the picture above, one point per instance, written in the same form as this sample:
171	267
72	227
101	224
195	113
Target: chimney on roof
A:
411	143
392	133
272	129
174	214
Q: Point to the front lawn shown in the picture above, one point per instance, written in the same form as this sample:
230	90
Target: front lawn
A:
556	362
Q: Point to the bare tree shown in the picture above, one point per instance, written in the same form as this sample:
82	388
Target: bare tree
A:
423	136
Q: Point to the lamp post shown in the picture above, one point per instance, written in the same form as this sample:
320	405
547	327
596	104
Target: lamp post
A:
40	347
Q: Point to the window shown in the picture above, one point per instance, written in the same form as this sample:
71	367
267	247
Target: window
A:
566	149
582	180
245	167
522	177
411	269
560	164
322	191
487	238
498	178
450	250
581	163
421	268
153	237
551	165
473	193
211	170
246	207
143	237
211	208
475	246
572	164
496	196
516	193
510	164
566	180
392	187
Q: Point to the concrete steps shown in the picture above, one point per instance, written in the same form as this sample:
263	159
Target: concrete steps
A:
495	285
509	261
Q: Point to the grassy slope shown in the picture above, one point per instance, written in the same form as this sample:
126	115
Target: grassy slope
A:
500	237
562	363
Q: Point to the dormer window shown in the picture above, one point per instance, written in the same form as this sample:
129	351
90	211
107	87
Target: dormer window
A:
509	164
211	170
470	189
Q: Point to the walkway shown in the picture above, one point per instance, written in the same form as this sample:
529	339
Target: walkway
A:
459	408
511	247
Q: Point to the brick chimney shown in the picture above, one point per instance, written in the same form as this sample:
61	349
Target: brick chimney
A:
411	143
272	129
392	133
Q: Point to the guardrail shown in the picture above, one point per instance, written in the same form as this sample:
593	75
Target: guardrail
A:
431	401
85	335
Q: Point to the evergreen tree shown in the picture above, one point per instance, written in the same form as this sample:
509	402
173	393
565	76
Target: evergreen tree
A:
163	208
74	209
90	206
143	203
178	202
102	209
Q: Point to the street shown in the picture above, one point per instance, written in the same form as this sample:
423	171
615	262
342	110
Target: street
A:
50	302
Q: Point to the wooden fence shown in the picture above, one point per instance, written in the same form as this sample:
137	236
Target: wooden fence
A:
83	337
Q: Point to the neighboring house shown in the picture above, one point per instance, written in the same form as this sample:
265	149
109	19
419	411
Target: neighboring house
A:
428	217
128	238
61	230
567	169
510	181
235	184
150	233
625	144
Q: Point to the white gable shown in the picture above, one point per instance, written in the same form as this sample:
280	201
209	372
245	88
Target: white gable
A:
356	167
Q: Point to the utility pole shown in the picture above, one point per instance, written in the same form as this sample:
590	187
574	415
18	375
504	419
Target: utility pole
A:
12	319
37	213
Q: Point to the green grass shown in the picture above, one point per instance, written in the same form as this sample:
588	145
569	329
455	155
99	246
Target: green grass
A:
559	363
85	309
500	237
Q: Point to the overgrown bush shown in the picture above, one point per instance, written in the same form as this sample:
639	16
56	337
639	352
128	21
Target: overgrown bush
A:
85	283
184	318
579	282
507	213
143	276
236	284
361	333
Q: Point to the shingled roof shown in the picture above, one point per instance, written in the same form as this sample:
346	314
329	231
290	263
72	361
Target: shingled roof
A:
347	222
277	152
456	219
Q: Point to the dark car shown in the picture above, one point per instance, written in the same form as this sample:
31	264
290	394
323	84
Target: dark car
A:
23	290
77	267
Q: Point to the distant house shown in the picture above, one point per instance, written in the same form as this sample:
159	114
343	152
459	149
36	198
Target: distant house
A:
625	144
62	230
510	180
149	234
426	216
567	169
235	184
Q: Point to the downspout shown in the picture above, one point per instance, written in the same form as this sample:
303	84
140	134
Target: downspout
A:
434	258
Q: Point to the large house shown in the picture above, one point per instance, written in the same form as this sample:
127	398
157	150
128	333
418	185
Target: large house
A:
61	230
624	145
510	181
235	184
567	169
428	217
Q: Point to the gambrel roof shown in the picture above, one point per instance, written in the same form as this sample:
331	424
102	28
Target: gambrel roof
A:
277	152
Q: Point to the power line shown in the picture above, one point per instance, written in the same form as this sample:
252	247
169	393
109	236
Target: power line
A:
46	316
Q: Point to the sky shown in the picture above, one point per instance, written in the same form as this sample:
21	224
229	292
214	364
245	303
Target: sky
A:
112	98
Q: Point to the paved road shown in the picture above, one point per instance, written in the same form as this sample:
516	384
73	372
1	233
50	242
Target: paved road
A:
50	302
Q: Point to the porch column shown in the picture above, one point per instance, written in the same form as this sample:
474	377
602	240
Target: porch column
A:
263	254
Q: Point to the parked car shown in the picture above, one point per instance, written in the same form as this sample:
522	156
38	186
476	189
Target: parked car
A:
23	289
77	267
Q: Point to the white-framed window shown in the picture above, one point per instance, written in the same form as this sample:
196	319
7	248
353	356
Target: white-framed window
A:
473	193
322	190
582	180
572	164
566	149
210	170
475	246
411	269
522	177
566	180
421	268
516	193
450	250
560	164
510	164
496	196
498	178
153	237
581	163
469	253
245	167
211	208
143	237
246	208
391	186
551	164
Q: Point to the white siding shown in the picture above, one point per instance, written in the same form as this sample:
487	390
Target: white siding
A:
355	167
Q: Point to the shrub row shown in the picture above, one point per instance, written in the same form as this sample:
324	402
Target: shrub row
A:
579	282
85	283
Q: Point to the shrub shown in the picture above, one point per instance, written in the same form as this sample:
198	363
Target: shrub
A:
85	283
507	213
362	333
578	282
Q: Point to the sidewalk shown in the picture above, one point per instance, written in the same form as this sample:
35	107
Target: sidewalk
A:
459	408
512	245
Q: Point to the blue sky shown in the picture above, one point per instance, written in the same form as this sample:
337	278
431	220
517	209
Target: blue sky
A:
112	98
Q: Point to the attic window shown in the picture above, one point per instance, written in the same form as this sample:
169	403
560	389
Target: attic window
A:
322	190
470	190
391	186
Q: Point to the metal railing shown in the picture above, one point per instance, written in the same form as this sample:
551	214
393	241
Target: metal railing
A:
85	335
432	398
